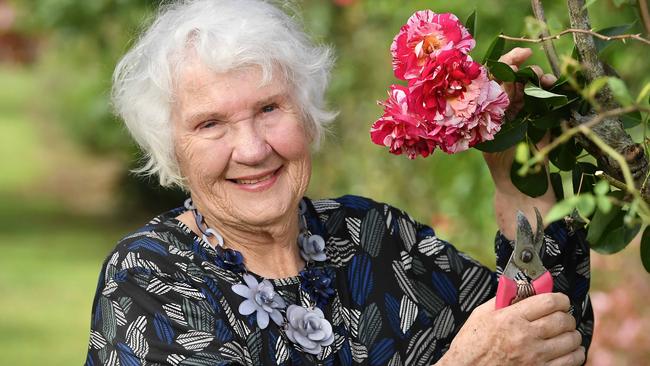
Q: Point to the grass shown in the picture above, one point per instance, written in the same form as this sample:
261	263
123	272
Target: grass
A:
48	276
49	257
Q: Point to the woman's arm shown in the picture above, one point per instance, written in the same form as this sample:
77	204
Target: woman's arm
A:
507	198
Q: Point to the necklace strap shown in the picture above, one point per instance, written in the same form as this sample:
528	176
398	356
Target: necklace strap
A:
207	232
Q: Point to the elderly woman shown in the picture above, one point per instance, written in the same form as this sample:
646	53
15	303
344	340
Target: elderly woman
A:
226	99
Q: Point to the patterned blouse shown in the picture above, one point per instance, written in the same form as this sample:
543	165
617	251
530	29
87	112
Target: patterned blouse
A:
402	293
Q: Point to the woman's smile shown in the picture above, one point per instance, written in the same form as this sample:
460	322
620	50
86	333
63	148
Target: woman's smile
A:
257	182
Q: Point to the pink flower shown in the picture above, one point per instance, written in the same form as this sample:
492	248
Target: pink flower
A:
400	129
456	94
449	103
423	37
445	78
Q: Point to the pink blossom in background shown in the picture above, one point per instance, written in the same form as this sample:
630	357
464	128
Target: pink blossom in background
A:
400	129
344	2
424	35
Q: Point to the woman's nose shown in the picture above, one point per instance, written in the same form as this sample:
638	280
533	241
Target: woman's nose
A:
250	145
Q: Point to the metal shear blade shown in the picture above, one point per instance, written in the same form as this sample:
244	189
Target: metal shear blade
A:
524	258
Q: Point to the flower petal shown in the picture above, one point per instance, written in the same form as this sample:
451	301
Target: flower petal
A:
251	282
304	341
277	317
262	319
316	335
241	290
247	307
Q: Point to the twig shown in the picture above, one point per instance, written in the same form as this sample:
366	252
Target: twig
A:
566	135
612	181
549	47
627	175
629	181
645	15
621	37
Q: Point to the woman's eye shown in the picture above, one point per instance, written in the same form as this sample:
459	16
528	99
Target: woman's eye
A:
209	124
269	108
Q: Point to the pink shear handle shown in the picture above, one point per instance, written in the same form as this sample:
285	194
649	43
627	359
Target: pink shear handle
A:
507	289
543	284
506	292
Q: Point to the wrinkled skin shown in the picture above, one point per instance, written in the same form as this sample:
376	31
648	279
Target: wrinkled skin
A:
535	331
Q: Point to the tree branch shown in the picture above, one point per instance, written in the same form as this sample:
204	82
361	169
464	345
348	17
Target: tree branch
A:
549	47
541	154
545	39
645	15
610	129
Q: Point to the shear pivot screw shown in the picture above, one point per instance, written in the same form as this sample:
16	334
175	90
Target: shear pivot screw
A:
526	256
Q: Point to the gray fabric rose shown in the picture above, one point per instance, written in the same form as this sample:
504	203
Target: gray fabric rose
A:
312	247
308	328
261	298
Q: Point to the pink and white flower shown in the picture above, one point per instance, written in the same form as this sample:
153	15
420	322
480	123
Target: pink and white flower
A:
423	37
400	129
450	101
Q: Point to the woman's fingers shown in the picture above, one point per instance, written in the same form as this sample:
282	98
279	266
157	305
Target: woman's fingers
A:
561	345
574	358
538	306
554	324
547	80
516	56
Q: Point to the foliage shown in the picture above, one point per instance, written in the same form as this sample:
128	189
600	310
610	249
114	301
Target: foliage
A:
85	39
546	111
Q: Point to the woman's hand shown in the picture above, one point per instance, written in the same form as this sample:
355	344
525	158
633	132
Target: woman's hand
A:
535	331
508	199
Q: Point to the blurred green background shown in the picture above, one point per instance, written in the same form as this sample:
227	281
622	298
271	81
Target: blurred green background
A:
66	195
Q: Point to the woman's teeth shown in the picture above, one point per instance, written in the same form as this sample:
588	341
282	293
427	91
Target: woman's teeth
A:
253	181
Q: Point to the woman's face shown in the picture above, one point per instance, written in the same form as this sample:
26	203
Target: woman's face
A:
241	145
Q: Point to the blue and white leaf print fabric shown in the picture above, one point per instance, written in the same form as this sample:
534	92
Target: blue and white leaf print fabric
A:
401	293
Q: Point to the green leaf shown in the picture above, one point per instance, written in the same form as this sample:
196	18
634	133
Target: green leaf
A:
586	204
563	156
583	172
470	23
552	98
501	71
645	249
510	133
522	153
602	44
536	134
601	188
619	89
643	94
607	232
495	50
534	27
589	3
599	222
604	203
616	235
561	209
554	117
556	184
527	75
631	119
533	184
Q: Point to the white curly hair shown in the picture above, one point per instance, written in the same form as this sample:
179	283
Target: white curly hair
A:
225	35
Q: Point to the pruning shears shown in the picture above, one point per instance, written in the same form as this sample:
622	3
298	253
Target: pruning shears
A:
525	259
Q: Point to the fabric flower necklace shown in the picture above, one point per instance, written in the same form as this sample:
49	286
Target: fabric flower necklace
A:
305	326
